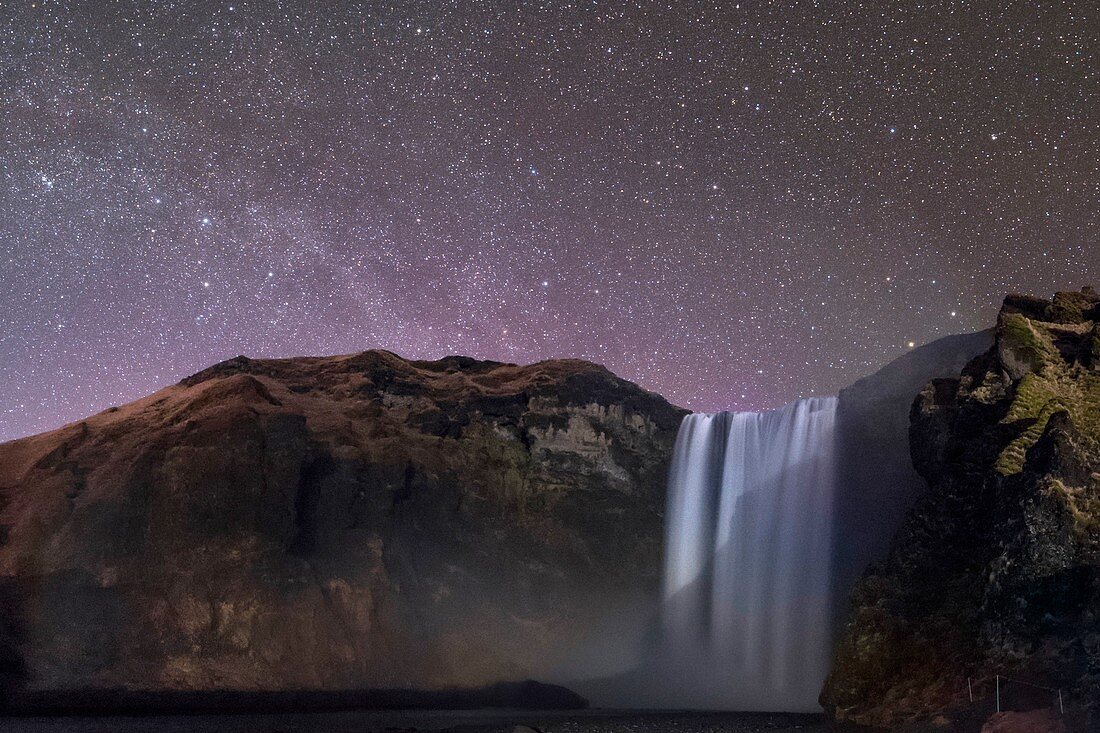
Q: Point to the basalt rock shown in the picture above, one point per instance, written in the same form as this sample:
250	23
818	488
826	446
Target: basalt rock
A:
997	568
331	523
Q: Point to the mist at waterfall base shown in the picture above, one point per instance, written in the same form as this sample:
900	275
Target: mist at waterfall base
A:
751	579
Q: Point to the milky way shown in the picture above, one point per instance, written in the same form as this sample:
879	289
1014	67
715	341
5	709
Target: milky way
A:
732	205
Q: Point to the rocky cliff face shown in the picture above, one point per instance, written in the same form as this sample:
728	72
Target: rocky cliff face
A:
997	568
322	523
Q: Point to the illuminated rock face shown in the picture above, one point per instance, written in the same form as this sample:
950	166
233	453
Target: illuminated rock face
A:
748	570
340	522
997	568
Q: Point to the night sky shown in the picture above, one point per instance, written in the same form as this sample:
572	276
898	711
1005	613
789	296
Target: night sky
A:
732	205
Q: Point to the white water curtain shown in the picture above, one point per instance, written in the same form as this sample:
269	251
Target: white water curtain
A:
747	607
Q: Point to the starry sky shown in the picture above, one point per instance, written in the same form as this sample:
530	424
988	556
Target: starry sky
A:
734	205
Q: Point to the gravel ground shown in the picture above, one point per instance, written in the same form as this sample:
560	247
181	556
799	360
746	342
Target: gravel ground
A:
591	721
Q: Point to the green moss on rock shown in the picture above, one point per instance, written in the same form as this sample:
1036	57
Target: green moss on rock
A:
1011	460
997	569
1022	341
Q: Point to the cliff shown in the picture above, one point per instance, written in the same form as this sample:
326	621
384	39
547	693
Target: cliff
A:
996	570
877	483
331	523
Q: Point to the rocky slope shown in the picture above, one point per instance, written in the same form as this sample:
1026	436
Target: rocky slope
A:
997	568
327	523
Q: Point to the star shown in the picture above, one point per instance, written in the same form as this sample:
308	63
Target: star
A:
405	177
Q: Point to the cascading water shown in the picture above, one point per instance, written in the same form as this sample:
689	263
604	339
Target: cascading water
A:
748	579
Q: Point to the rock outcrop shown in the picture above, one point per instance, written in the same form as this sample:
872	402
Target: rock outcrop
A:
997	568
877	483
331	523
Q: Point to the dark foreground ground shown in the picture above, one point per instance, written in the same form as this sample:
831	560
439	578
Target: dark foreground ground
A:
465	721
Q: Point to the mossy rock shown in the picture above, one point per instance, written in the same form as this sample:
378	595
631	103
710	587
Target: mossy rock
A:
998	567
1025	343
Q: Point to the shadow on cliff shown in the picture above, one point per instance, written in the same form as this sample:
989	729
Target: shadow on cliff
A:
876	481
13	668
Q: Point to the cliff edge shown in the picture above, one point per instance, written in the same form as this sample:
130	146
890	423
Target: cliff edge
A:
996	570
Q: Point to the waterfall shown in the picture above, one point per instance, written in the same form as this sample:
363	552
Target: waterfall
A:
746	617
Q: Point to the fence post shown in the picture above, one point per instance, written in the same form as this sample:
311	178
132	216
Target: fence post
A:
997	679
970	689
1061	710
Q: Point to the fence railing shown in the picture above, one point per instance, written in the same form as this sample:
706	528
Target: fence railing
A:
1000	682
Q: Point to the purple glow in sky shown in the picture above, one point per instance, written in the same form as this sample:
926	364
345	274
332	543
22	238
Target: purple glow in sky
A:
732	205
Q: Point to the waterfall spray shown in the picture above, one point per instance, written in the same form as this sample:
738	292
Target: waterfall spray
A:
746	618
